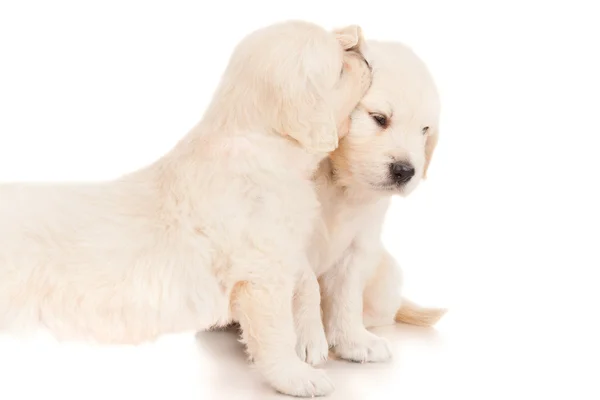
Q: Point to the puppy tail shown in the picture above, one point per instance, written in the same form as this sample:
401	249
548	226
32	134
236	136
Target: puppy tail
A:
413	314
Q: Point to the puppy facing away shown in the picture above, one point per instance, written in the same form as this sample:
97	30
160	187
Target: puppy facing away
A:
215	231
391	138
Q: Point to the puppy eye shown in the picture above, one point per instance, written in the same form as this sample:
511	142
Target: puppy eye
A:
425	130
380	119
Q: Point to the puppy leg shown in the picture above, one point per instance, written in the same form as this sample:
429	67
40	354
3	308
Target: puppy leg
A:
383	304
263	308
381	297
311	345
342	299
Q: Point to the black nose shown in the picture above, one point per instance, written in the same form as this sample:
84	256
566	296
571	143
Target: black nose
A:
401	172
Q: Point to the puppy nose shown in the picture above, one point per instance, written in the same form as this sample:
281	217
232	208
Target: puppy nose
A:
401	172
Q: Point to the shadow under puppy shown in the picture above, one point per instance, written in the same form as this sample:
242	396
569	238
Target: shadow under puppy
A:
214	231
387	150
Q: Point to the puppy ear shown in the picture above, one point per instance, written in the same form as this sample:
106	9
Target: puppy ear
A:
430	145
350	37
308	118
344	128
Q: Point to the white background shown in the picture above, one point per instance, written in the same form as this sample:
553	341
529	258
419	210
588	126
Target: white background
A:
505	232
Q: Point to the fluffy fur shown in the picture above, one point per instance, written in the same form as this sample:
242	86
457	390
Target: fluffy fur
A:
360	281
214	231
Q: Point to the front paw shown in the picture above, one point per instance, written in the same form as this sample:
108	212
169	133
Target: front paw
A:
299	379
311	345
363	347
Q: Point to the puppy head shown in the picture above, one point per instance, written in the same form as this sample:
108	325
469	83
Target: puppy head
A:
291	78
394	130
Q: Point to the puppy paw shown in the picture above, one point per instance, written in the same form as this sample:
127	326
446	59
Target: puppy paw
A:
311	345
301	380
365	347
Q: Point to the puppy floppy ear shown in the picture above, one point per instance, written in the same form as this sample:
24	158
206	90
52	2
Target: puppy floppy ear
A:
430	144
307	117
350	37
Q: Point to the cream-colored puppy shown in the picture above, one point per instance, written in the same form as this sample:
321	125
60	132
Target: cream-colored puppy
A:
214	231
391	139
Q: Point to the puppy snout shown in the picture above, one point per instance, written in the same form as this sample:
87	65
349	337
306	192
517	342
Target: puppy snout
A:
401	172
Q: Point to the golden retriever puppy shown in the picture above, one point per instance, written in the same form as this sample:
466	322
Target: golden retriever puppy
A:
392	136
214	231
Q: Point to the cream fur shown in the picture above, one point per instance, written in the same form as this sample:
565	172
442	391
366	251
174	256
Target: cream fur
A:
214	231
360	281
